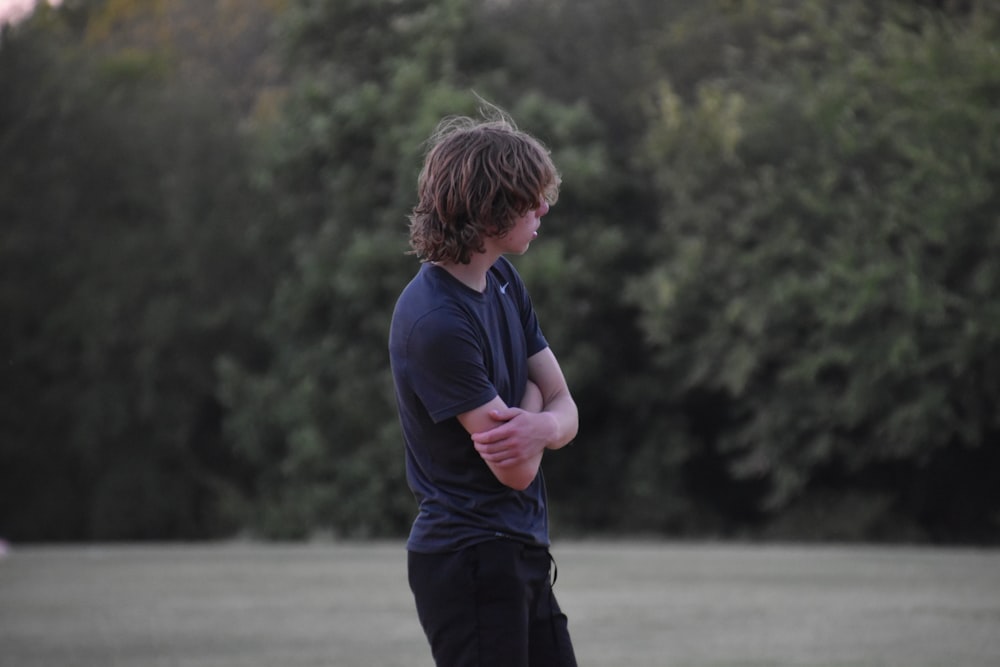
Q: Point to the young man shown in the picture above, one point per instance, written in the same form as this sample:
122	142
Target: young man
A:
481	397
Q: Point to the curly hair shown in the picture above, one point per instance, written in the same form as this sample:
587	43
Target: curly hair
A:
478	178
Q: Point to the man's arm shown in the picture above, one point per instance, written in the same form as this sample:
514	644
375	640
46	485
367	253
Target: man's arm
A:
517	474
544	370
514	438
532	400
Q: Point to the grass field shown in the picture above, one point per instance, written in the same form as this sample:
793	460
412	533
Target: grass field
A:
632	604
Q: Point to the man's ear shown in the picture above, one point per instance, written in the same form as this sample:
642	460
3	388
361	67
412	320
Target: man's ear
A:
496	231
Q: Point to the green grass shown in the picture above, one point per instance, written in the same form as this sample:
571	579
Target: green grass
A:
631	604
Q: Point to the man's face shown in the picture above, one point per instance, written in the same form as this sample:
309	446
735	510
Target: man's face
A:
524	231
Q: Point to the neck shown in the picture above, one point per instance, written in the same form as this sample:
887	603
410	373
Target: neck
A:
472	274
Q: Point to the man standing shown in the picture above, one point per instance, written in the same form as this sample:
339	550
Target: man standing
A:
481	397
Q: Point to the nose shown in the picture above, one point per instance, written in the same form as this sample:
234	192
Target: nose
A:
543	208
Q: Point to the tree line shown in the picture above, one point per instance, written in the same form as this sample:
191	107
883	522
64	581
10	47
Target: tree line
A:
769	278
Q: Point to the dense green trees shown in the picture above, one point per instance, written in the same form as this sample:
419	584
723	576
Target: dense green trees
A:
768	277
127	258
825	284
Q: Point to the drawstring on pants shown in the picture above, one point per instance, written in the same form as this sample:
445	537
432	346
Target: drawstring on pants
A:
552	607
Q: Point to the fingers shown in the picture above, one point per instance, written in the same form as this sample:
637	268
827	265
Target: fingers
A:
500	431
496	454
491	436
505	414
501	445
502	450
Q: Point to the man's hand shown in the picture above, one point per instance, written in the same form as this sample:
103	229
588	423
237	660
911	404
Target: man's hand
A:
511	440
519	437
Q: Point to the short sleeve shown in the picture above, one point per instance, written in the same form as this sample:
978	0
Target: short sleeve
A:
446	369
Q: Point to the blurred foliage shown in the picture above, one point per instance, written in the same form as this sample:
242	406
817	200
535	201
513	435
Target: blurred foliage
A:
768	278
126	270
824	283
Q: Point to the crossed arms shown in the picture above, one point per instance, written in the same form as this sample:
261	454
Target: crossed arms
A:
511	440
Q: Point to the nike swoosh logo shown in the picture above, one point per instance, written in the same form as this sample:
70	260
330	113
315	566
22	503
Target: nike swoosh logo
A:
503	288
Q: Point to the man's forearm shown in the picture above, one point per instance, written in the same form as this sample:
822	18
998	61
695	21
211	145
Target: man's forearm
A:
532	401
563	409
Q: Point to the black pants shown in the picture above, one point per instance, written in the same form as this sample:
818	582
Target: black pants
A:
490	605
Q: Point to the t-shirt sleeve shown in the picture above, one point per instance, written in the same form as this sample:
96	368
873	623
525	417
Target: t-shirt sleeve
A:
446	366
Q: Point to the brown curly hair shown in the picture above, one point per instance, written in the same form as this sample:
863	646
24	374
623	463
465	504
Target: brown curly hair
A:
478	178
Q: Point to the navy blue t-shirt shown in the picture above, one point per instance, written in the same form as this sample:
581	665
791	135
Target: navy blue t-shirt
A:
453	349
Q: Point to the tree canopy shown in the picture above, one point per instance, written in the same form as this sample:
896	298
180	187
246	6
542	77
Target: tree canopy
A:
769	277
